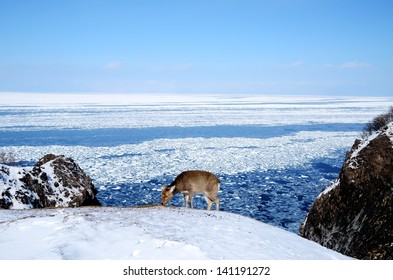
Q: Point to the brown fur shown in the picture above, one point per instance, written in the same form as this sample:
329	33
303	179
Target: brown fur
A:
193	182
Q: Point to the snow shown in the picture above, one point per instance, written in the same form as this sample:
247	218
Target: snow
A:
150	159
267	133
365	142
11	178
9	182
29	98
96	111
328	189
156	232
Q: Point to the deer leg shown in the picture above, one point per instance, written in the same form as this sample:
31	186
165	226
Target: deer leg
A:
191	198
217	201
209	202
186	200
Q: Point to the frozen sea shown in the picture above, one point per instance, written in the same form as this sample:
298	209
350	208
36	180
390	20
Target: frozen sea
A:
273	154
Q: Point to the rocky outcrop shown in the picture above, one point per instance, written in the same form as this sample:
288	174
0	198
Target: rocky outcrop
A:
354	215
54	181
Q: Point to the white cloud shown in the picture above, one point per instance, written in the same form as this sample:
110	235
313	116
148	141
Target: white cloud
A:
113	65
164	67
349	65
292	65
183	67
354	65
296	64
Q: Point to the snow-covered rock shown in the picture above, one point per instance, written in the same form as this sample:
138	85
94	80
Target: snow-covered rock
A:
354	216
147	233
54	181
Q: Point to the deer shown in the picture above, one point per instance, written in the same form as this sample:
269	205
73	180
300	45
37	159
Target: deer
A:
193	182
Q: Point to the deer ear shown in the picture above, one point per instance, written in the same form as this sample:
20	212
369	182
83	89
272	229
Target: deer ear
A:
171	189
163	186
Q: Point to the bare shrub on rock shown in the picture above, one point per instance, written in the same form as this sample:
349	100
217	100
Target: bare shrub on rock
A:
378	123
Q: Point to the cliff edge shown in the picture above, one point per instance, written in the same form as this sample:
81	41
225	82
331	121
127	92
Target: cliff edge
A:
354	216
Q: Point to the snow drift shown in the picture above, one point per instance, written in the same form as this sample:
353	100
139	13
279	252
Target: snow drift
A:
147	233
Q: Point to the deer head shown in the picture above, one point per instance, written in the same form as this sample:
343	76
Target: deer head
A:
167	194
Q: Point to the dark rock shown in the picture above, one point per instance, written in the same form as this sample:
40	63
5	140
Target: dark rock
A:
355	215
55	181
46	159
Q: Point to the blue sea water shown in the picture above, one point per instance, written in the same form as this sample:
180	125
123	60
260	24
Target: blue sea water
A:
120	136
270	171
280	197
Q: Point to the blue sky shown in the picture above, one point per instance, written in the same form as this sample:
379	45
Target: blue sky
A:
311	47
